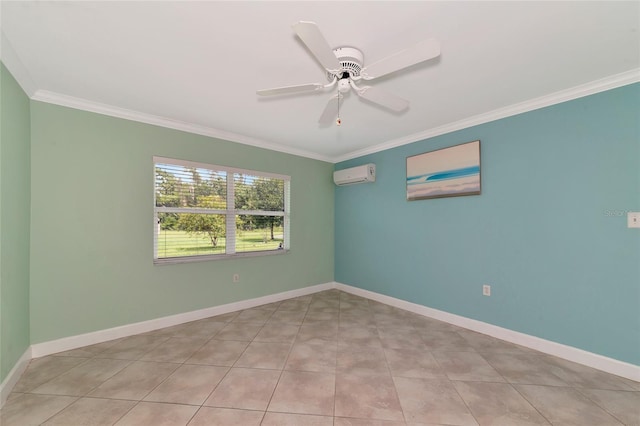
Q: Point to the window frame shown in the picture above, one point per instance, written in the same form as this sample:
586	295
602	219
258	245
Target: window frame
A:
230	213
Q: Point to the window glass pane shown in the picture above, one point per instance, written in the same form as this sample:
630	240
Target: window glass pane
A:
179	186
190	234
258	193
193	215
258	233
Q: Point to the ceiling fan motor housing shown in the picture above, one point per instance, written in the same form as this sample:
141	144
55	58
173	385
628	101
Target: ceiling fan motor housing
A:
351	60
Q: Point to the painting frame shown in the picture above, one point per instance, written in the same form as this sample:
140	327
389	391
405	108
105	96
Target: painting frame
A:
453	171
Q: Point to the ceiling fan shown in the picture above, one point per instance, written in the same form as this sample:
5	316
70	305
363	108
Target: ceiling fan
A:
344	68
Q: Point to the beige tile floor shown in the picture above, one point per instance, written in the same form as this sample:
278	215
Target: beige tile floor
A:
326	359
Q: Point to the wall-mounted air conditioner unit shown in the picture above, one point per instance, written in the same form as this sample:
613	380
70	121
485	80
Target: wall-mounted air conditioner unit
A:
360	174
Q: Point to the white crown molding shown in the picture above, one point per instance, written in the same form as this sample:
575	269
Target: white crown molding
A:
127	114
603	363
611	82
12	61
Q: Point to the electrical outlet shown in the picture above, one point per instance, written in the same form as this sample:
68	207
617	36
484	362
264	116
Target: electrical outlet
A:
236	278
486	290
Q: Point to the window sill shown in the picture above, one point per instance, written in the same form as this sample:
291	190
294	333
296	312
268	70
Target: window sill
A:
192	259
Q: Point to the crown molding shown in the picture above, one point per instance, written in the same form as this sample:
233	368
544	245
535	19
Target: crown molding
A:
601	85
12	61
20	73
127	114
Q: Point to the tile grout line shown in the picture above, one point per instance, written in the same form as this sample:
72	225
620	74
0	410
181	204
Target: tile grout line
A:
139	359
200	406
531	404
230	367
601	405
63	408
384	354
284	365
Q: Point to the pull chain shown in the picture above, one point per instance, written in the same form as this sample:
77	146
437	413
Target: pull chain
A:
339	121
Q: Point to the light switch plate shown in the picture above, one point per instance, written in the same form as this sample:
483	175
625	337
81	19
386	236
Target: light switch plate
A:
633	219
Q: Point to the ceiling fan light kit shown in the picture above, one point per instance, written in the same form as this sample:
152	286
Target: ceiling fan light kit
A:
344	67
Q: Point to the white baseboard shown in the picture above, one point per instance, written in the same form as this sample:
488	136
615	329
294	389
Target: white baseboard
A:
14	375
73	342
580	356
603	363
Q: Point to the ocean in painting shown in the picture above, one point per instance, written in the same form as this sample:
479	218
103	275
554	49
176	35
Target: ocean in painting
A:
462	181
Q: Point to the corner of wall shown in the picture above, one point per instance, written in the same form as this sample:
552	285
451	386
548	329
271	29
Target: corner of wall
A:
15	199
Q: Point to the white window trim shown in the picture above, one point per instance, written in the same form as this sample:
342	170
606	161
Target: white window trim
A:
230	212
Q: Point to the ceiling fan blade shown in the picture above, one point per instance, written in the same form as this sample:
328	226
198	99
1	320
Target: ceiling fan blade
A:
383	98
310	34
423	51
290	89
331	110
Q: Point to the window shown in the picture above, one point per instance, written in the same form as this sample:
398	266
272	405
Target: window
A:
204	211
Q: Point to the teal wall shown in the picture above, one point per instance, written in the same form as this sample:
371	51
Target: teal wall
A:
92	225
14	221
548	232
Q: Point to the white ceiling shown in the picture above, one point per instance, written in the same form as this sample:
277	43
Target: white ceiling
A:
196	65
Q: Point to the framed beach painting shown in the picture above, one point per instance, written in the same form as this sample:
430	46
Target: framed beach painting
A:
447	172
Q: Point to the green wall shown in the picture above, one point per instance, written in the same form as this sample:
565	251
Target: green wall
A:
92	225
14	221
548	233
